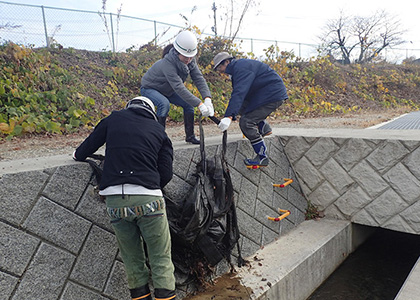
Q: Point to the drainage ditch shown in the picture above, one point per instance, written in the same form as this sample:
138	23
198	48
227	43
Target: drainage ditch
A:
375	271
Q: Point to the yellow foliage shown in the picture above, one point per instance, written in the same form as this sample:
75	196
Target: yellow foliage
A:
5	128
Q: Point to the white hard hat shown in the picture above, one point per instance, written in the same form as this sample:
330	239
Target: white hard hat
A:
186	44
141	101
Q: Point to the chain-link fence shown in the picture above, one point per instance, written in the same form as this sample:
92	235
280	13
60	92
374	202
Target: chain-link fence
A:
42	26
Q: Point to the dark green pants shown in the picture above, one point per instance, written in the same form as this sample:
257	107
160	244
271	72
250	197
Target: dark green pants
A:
137	218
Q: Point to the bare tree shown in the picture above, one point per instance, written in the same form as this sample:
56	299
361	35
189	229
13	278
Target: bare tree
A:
233	15
367	35
336	38
108	30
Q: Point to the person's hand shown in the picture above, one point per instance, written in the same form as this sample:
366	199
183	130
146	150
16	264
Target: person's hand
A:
224	124
209	104
204	110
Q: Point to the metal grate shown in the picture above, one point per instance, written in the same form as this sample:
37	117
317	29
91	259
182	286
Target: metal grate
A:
408	121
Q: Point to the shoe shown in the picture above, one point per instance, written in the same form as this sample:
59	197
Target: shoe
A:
192	139
142	292
164	294
257	161
189	129
264	128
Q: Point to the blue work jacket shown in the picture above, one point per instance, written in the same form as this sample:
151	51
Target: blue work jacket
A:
254	84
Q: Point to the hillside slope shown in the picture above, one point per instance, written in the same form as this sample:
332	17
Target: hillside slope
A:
65	90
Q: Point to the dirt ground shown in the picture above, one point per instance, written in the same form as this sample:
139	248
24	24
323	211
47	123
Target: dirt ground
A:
227	287
48	145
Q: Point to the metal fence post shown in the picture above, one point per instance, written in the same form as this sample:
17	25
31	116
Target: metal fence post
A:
112	33
154	22
45	26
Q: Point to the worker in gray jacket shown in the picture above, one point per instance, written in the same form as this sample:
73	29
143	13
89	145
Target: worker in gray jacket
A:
163	83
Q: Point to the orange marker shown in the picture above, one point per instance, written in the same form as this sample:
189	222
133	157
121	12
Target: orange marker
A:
253	167
282	185
281	217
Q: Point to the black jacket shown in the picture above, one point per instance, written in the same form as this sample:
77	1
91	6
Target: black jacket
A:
138	151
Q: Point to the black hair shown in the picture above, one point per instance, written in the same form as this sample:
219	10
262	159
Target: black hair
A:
167	49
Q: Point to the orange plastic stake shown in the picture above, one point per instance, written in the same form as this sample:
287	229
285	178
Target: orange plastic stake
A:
283	214
253	167
282	185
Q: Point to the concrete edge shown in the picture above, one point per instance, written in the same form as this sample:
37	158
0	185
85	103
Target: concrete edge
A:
297	263
383	134
39	163
33	164
411	287
45	162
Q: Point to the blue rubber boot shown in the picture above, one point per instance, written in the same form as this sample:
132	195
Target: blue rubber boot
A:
261	158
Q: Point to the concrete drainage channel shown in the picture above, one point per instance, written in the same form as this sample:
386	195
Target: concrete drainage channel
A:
296	265
298	262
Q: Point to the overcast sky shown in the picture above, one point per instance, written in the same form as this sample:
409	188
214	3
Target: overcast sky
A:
289	21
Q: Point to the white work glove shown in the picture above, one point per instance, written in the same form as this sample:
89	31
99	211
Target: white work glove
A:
204	110
209	104
224	124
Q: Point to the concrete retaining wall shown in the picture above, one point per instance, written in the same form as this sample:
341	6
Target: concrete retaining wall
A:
56	242
369	181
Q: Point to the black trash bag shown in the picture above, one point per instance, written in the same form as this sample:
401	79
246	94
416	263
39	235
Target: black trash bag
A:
203	225
96	162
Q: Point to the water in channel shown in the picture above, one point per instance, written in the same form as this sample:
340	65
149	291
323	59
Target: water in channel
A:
375	271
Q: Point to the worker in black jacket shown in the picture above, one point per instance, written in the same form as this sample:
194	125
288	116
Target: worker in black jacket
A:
138	164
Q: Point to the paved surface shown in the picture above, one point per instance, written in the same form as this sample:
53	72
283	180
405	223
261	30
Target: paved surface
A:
407	121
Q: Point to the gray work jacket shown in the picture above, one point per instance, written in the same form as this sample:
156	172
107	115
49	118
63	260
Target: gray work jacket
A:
168	75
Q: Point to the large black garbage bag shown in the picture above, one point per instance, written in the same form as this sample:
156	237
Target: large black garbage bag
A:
203	225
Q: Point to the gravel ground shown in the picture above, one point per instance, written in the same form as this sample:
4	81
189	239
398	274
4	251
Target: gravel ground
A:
48	145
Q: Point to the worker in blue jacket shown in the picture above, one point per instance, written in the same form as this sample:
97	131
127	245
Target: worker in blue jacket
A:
257	91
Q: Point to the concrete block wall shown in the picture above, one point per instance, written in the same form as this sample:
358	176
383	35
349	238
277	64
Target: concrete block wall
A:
56	241
374	182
